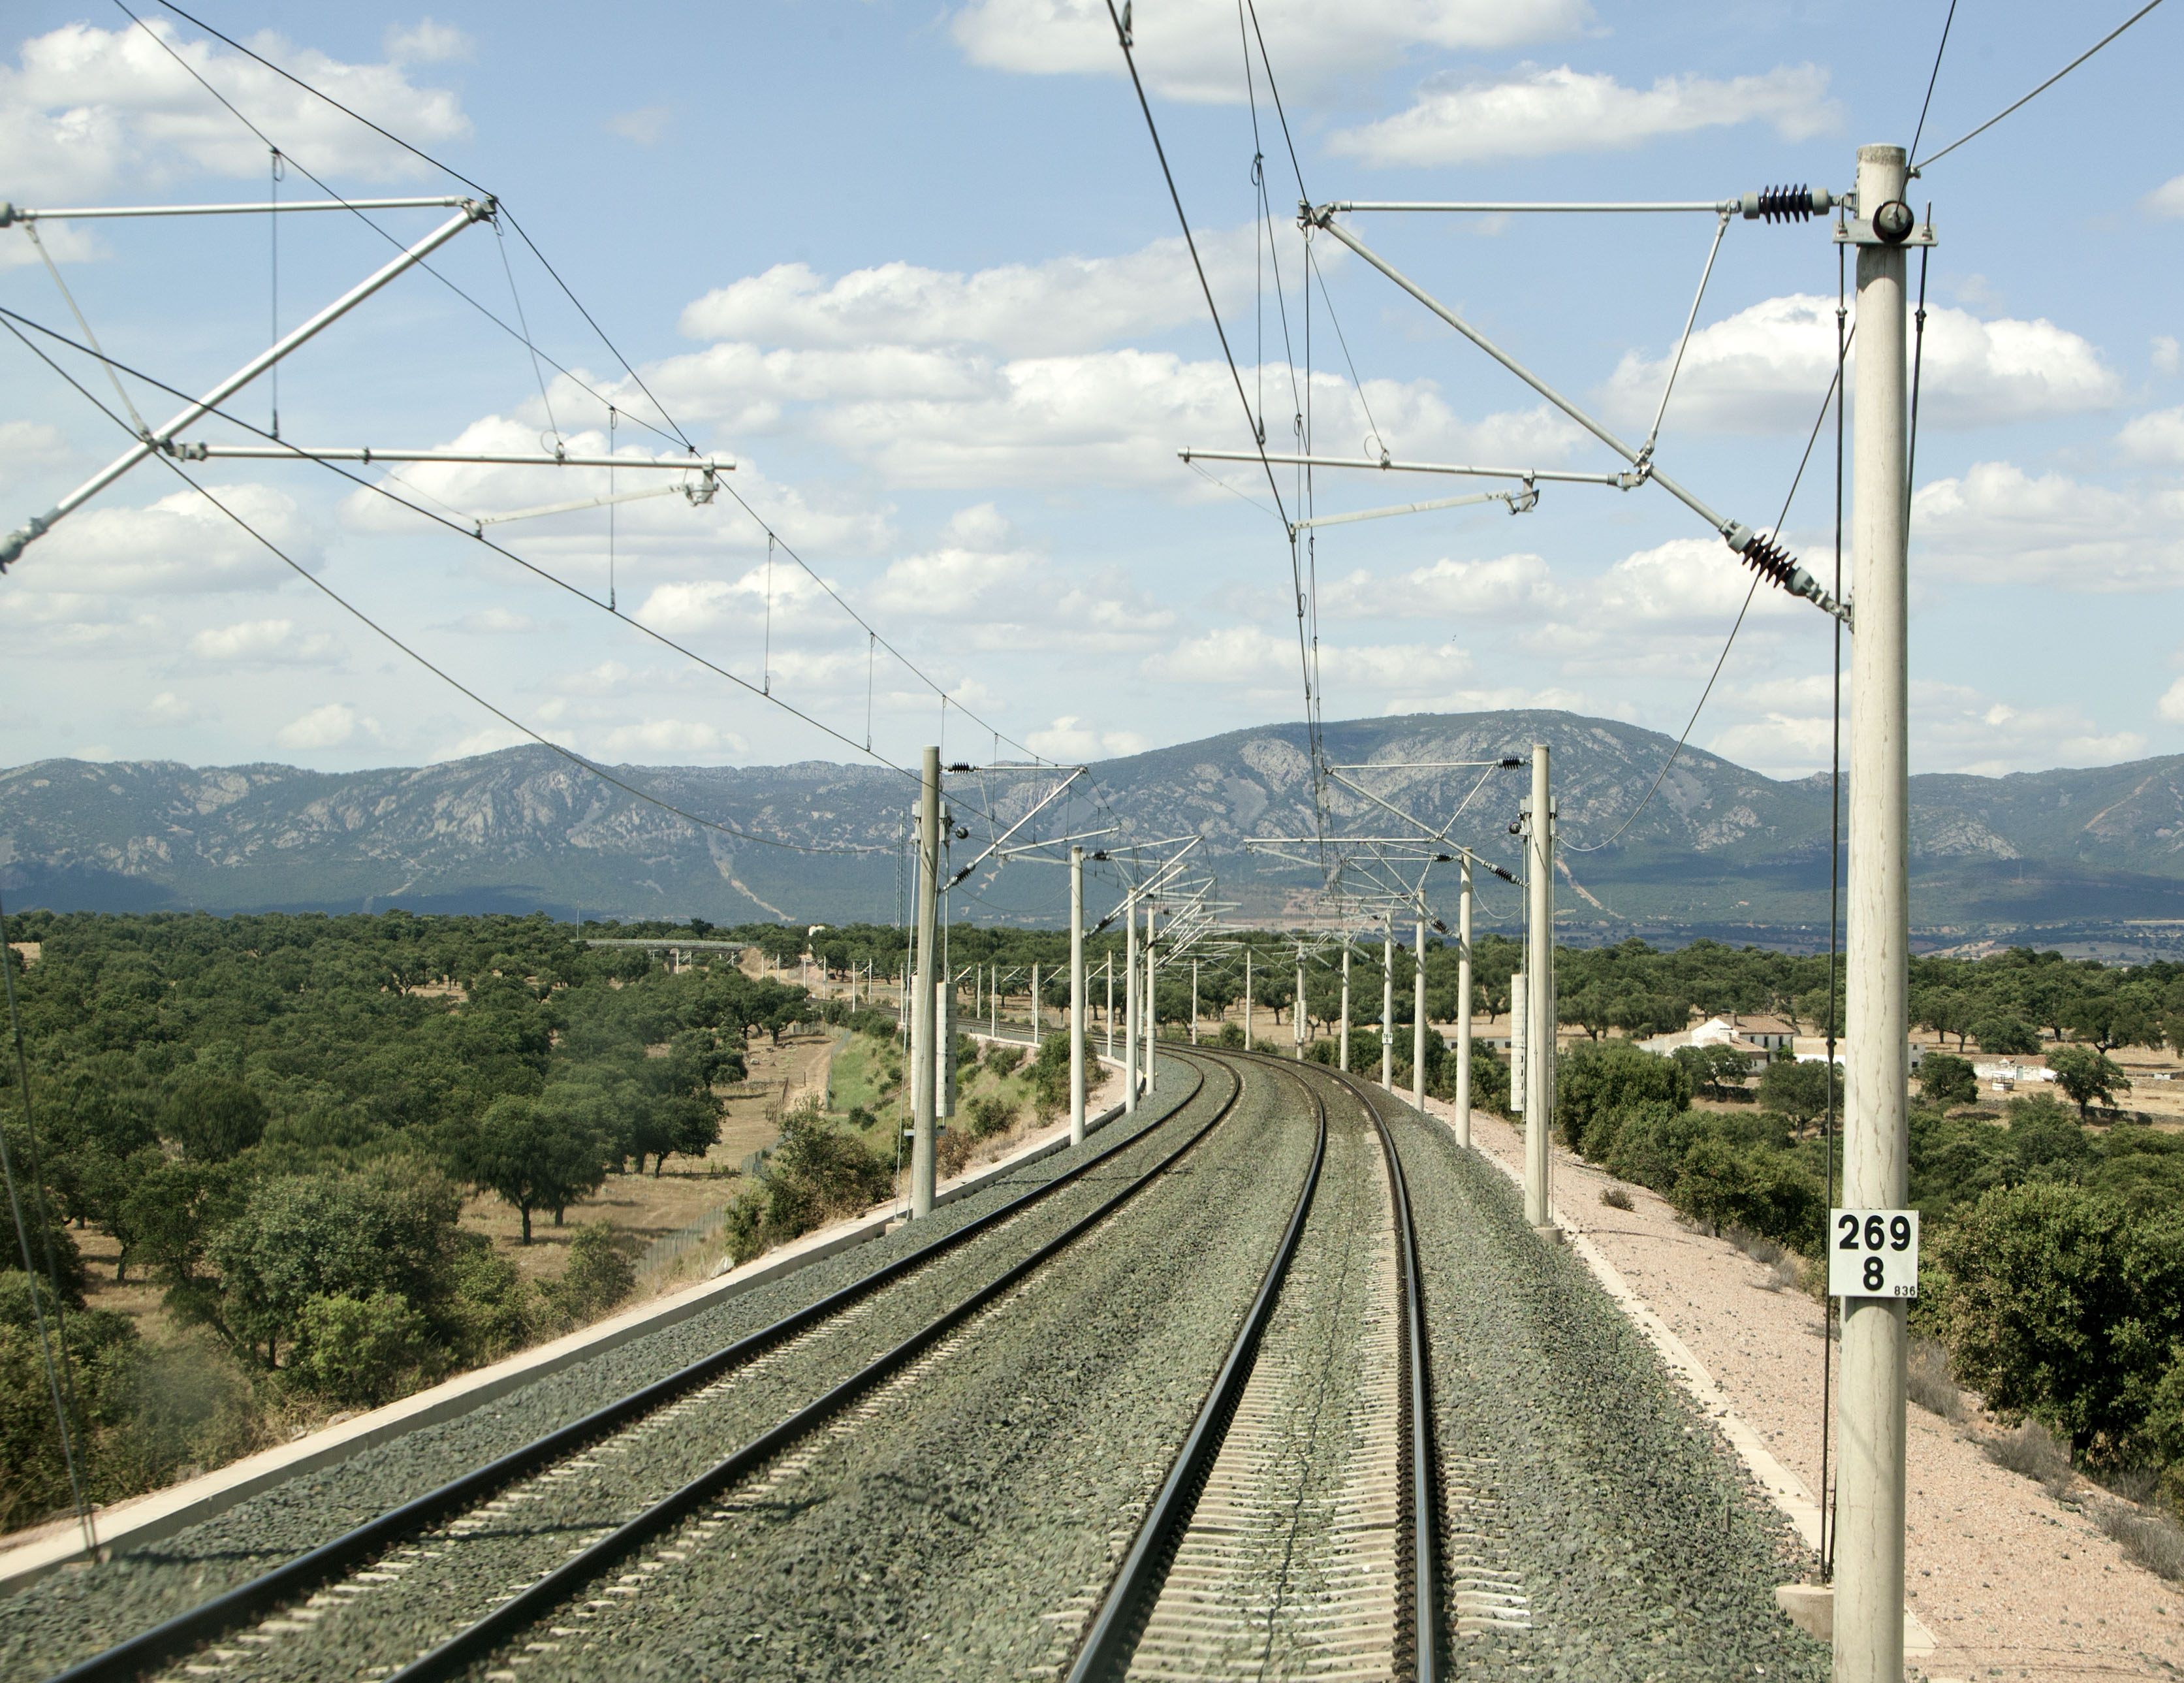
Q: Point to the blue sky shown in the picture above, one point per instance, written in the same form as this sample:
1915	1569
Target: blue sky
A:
917	271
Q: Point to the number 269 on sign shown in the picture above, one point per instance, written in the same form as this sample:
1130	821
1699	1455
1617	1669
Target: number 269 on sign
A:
1872	1253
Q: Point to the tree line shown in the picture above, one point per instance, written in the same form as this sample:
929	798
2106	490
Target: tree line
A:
276	1118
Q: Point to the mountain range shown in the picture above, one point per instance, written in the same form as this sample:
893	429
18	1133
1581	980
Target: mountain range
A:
2080	858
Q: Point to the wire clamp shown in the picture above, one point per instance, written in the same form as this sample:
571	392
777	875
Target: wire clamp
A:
1891	224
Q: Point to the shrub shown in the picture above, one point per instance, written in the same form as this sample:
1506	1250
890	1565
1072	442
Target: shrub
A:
600	1274
2066	1307
2153	1540
1231	1039
1648	1142
1945	1079
1764	1192
493	1309
987	1114
815	1172
1931	1387
1002	1059
1616	1197
361	1351
2031	1451
1596	1082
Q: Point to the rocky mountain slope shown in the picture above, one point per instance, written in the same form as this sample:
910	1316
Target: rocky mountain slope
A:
1718	849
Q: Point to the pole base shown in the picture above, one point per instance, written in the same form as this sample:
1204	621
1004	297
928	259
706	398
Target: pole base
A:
1550	1232
1810	1607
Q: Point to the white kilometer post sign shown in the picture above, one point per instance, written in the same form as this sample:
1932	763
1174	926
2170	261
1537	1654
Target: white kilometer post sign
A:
1872	1253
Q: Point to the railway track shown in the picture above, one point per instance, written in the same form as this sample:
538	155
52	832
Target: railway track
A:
1297	1533
1280	1386
576	1482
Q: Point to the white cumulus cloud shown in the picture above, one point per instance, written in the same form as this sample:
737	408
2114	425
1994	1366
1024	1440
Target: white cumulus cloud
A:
2157	437
1066	304
1995	524
85	110
1072	741
326	727
425	42
1765	369
2168	198
180	545
1187	49
258	642
1546	111
646	125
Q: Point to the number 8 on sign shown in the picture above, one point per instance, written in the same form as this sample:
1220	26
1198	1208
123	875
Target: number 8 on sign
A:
1872	1253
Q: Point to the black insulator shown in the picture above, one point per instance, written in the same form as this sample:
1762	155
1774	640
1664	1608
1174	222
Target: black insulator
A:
1786	204
1765	557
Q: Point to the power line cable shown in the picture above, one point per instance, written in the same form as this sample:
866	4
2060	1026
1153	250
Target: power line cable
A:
567	292
675	435
1927	103
472	532
1923	162
1834	384
446	678
523	334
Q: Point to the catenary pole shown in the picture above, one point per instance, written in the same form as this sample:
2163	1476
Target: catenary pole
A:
1247	996
1076	996
1130	1004
1539	1005
1296	1009
1418	1012
1035	1024
1869	1412
1463	1006
1147	1023
1388	1004
1346	1004
1193	1001
922	996
1107	968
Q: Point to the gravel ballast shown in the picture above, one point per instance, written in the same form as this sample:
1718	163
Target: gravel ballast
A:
1575	1465
69	1616
965	1517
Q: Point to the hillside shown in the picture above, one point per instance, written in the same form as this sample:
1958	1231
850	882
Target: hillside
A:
2078	854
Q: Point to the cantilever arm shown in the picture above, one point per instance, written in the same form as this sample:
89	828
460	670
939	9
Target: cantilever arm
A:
1740	538
12	546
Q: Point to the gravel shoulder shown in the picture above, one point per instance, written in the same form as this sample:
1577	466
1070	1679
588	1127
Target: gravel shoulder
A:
2010	1582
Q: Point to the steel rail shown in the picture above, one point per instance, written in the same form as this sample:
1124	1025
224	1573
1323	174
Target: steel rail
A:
1429	1635
526	1607
1105	1653
233	1608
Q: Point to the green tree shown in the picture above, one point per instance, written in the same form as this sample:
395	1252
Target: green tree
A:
2062	1305
362	1351
214	1118
304	1236
1800	1091
1714	1067
1594	1083
1945	1079
2085	1075
2000	1032
529	1158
